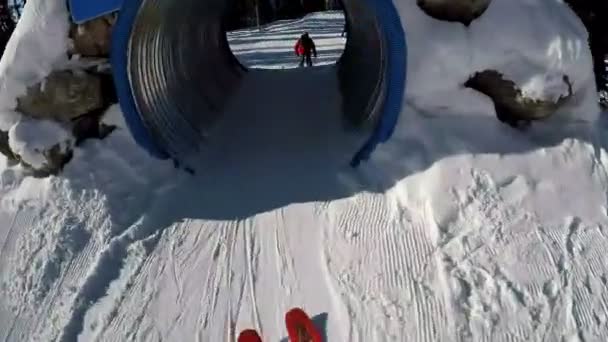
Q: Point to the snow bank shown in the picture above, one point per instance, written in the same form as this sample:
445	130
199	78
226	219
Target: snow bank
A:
38	46
532	43
456	230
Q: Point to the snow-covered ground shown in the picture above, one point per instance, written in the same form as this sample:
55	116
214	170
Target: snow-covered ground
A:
273	46
458	229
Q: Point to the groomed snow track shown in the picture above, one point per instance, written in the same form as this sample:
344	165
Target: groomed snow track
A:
175	73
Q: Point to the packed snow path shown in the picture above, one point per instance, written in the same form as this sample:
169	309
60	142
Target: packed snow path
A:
459	229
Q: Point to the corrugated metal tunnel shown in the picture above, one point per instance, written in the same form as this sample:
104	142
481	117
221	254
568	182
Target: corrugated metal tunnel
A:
175	72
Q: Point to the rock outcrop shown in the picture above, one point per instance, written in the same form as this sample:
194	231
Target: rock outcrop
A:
63	96
463	11
67	107
89	125
74	99
93	38
512	107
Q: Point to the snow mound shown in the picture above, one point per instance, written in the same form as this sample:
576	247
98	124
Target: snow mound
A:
32	139
458	229
532	43
37	46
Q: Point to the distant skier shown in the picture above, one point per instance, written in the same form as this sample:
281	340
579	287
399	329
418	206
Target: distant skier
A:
305	47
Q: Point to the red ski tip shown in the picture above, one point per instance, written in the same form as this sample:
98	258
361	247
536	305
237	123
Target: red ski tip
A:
300	327
249	335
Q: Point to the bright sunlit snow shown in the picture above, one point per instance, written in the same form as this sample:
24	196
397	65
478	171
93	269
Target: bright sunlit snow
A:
458	229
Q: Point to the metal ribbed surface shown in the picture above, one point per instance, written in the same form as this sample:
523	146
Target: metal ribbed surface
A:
180	71
363	64
182	74
394	77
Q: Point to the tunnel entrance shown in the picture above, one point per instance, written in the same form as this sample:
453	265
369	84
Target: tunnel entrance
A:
181	86
263	34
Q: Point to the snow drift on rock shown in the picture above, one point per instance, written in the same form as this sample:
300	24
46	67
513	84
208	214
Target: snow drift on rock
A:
30	139
532	43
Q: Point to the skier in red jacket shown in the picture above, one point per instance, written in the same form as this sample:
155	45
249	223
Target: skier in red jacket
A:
305	47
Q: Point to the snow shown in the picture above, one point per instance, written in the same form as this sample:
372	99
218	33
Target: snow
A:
30	139
458	229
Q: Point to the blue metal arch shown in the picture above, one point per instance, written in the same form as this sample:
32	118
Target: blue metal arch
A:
121	35
396	71
396	75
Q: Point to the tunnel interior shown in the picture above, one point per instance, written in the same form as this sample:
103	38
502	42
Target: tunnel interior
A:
176	75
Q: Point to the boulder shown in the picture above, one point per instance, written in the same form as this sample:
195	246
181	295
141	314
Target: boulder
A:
511	106
63	96
93	38
89	125
463	11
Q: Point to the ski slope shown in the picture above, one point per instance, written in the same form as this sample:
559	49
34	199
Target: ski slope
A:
458	229
273	46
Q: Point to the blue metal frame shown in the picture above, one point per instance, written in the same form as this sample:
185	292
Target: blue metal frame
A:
396	76
119	59
394	36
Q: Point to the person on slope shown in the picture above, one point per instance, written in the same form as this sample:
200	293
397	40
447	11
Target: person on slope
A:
305	47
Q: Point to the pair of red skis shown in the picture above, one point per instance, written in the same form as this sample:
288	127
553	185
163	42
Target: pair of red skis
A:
299	328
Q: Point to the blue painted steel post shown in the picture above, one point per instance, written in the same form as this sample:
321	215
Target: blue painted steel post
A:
121	35
396	75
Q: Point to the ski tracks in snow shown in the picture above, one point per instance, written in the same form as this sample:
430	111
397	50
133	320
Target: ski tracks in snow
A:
508	277
484	269
377	253
236	274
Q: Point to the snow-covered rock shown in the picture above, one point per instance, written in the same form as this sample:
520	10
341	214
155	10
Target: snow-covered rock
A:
42	145
38	81
37	47
510	102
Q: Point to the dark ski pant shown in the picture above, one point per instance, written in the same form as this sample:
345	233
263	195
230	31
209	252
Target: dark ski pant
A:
306	58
